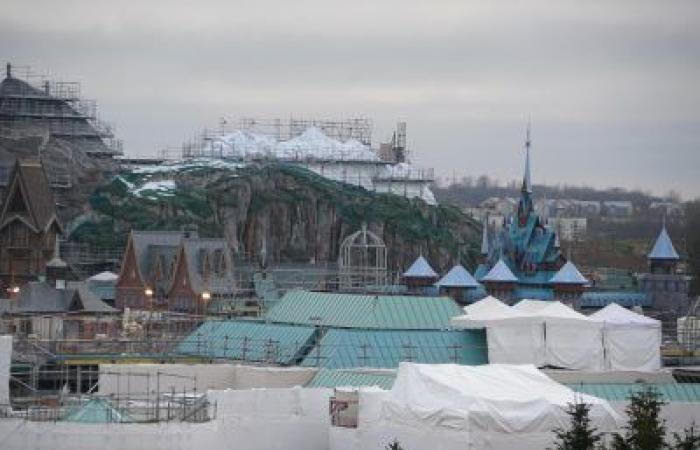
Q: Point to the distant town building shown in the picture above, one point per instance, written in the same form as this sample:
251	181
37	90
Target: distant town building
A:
618	209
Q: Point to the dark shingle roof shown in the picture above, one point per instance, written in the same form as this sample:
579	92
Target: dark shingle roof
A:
29	177
40	297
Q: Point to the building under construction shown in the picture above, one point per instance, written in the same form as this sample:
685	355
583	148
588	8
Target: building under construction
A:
50	122
341	150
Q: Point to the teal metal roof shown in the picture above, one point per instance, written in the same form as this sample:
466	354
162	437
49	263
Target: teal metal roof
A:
671	392
96	410
343	349
364	311
599	299
248	341
351	378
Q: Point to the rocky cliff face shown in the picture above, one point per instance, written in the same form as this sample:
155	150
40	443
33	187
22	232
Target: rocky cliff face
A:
286	212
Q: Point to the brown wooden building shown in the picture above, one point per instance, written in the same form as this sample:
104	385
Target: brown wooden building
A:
174	271
29	225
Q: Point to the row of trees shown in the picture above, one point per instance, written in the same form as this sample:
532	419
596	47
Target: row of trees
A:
645	429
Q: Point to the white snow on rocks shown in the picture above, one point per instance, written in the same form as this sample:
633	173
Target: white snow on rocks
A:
311	144
162	187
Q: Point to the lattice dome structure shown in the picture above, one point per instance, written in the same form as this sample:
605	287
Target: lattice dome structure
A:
362	261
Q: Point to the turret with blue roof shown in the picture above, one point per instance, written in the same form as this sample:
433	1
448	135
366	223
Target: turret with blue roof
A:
568	283
663	257
500	281
420	274
457	283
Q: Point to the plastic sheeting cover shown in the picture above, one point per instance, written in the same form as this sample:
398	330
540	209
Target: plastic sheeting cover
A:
632	341
5	360
491	398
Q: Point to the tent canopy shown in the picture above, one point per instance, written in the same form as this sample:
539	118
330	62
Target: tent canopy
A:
632	341
496	398
615	314
479	314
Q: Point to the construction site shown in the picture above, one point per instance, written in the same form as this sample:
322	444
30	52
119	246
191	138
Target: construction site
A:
339	150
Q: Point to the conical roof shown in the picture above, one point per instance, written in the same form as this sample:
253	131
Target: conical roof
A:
458	276
663	248
420	269
500	273
568	274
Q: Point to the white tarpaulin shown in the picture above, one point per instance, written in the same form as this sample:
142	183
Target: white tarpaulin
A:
496	398
512	337
572	340
5	361
632	341
543	333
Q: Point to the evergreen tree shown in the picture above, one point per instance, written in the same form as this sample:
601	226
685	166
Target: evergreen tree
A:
580	435
645	430
689	440
394	446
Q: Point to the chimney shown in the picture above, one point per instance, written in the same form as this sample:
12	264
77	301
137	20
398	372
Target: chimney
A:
8	70
57	269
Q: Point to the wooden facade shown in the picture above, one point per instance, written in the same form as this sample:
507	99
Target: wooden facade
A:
29	225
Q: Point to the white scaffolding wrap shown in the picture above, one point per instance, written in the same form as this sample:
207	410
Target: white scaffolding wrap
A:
5	362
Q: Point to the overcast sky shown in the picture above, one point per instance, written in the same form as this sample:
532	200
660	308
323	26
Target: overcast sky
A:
612	86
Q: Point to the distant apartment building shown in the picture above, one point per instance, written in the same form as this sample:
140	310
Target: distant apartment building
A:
668	209
618	209
570	228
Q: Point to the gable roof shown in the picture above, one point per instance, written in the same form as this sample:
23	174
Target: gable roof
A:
420	269
500	273
458	276
143	241
663	248
40	297
29	181
568	274
547	309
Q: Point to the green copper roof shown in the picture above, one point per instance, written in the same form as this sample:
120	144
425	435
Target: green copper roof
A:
96	410
351	378
342	349
248	341
364	311
671	392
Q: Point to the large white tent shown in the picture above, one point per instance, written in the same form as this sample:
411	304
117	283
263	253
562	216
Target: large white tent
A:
512	336
543	333
451	406
572	340
632	341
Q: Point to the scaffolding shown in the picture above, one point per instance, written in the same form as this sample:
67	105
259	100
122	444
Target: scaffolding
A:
203	144
57	107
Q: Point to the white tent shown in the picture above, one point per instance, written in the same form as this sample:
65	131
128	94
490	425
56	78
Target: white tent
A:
536	332
572	340
512	337
492	406
632	341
